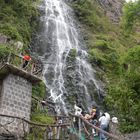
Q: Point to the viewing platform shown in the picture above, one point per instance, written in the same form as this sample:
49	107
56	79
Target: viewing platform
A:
13	64
17	76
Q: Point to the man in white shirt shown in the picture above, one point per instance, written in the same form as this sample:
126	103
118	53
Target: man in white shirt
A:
78	110
107	117
103	125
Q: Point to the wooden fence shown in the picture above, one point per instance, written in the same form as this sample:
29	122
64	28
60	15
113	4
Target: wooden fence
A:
34	67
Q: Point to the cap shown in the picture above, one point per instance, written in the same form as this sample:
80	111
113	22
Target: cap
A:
114	120
94	110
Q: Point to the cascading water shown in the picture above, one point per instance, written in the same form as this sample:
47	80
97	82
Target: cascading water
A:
67	74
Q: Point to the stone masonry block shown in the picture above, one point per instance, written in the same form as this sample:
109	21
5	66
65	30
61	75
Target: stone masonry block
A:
15	100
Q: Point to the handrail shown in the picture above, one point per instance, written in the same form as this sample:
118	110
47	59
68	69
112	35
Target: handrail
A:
33	123
34	66
62	125
95	127
58	130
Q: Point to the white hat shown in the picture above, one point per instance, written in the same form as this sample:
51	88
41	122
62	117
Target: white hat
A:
114	120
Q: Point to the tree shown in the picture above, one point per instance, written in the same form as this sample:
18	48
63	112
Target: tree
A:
131	15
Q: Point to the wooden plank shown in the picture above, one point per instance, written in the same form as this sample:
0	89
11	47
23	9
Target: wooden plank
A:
8	68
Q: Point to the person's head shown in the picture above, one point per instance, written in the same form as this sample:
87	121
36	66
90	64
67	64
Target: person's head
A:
93	111
94	107
115	120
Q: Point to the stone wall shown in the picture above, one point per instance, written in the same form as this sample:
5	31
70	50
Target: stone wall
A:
16	101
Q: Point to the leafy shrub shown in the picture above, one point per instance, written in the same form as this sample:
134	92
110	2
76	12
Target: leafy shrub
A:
3	51
130	15
18	19
39	90
42	118
133	56
110	48
90	14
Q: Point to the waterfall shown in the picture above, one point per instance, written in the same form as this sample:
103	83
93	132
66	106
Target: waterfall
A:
67	73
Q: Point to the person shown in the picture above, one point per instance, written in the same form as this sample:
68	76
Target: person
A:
107	117
87	116
94	120
43	103
86	127
26	59
108	120
103	125
78	112
114	120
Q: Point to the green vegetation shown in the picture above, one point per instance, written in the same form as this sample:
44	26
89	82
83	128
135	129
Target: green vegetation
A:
39	90
39	114
89	11
3	51
43	118
116	51
131	15
18	19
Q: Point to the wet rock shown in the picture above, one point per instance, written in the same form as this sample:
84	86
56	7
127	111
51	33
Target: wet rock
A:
4	38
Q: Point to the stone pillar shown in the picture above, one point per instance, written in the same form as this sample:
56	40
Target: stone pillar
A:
15	100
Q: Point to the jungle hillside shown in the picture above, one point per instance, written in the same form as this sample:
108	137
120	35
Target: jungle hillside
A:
115	48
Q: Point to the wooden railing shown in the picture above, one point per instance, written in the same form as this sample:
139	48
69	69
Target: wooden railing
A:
62	129
83	126
82	123
38	131
34	67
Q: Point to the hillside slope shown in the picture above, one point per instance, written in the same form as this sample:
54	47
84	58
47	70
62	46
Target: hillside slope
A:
115	50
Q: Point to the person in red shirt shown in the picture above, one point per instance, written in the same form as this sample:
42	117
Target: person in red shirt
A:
26	59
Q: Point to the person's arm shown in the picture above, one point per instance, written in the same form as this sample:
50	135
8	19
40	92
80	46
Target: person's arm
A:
100	119
92	115
80	110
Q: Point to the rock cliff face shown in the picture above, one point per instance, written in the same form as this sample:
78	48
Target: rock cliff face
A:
112	8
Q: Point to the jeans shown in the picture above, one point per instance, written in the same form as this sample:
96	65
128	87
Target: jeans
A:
102	135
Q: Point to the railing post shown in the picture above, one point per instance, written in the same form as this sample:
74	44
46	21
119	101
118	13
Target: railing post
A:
79	124
45	135
9	56
58	132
